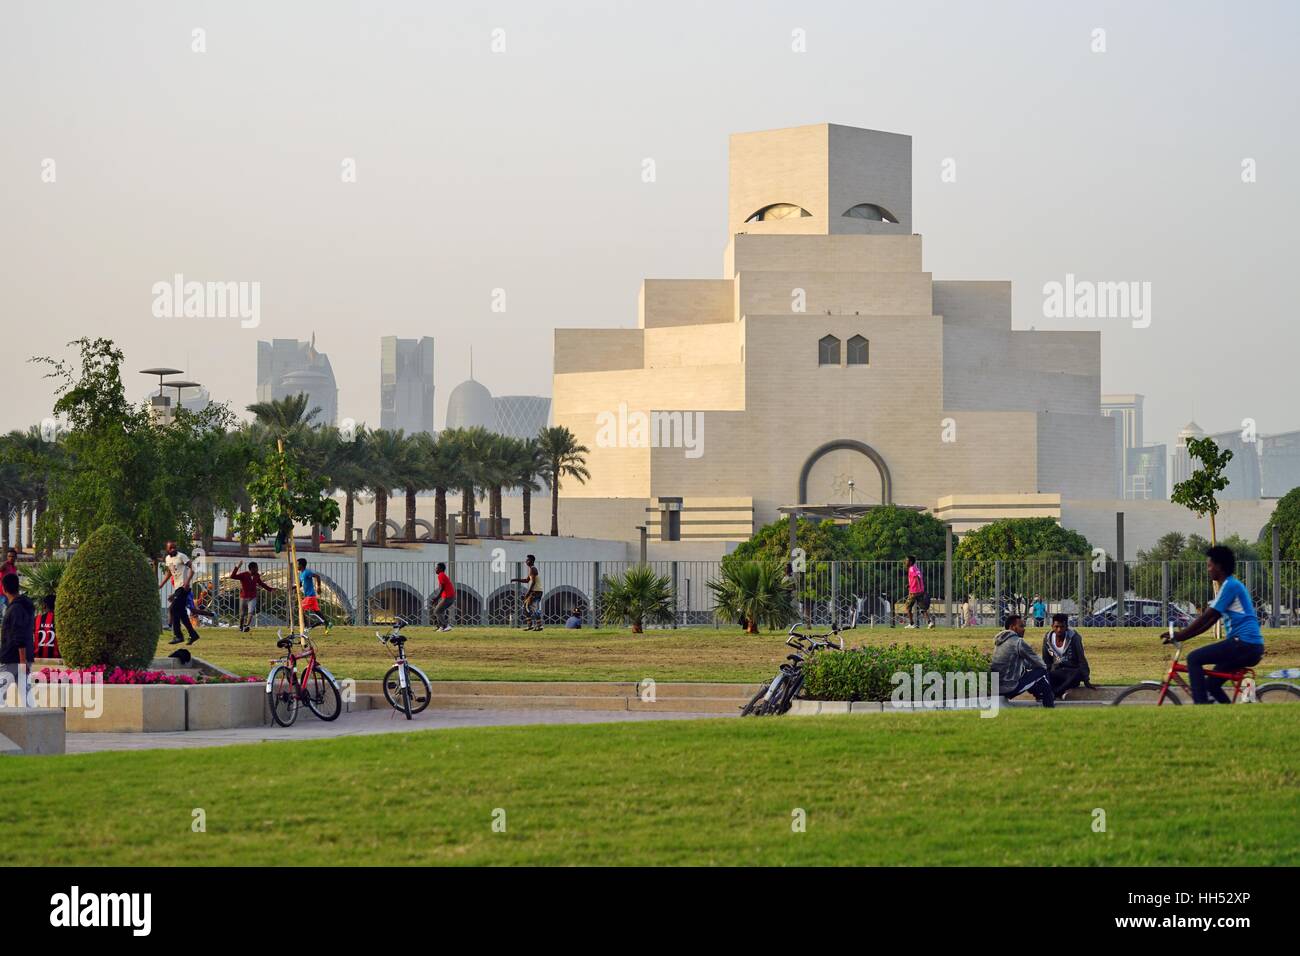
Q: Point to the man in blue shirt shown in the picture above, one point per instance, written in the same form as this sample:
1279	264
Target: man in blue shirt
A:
1243	645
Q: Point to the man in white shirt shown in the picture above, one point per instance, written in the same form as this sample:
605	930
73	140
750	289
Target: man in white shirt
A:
180	571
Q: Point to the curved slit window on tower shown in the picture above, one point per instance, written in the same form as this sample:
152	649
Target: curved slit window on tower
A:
779	210
871	212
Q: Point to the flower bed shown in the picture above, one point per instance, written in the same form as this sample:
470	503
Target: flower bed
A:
119	675
866	673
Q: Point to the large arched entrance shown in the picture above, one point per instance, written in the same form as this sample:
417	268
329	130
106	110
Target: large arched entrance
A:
845	471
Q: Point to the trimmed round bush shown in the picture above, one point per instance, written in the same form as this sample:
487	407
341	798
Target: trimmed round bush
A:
107	609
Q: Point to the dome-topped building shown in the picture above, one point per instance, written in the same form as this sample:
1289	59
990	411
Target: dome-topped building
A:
470	405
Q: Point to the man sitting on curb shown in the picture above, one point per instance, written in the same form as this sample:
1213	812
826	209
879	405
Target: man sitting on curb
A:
1067	667
1018	668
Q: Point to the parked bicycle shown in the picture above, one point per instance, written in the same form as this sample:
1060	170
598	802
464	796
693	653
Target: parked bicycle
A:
776	695
287	689
406	688
1243	680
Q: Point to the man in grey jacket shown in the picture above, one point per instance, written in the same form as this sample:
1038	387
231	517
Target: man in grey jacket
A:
1018	668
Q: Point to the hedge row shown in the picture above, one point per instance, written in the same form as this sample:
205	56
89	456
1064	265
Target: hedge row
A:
866	673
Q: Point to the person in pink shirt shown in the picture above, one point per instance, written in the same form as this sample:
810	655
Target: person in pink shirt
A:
917	599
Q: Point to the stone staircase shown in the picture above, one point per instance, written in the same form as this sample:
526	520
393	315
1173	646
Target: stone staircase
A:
702	698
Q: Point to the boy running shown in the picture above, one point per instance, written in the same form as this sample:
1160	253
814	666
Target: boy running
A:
249	582
180	572
446	595
308	581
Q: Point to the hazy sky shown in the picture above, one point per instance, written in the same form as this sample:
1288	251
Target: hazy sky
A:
521	170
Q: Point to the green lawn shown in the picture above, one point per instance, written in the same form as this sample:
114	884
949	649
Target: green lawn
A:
1117	655
887	789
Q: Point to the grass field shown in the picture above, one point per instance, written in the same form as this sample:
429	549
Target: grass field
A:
1117	655
887	789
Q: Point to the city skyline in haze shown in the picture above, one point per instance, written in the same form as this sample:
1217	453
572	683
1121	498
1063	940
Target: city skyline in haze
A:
483	177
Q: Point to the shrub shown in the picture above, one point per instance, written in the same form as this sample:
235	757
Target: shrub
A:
636	596
43	579
753	592
866	673
108	604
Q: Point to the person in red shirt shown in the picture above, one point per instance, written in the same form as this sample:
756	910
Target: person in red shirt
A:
47	643
446	595
11	563
249	582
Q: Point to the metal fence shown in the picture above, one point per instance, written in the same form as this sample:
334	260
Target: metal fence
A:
870	593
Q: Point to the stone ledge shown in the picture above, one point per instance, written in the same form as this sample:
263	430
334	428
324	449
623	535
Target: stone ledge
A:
33	730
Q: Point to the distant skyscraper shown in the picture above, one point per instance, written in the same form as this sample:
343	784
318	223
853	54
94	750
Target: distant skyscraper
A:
406	384
1138	476
521	416
288	367
1242	471
1182	462
1279	461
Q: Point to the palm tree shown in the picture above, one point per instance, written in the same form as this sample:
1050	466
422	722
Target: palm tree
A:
474	453
284	416
497	472
755	592
35	458
385	449
10	490
636	596
412	471
347	469
562	458
527	464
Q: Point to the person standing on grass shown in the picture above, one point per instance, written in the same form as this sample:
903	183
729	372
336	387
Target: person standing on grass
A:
532	595
1039	611
916	596
180	572
1243	645
17	634
1018	668
308	581
446	597
249	582
1067	665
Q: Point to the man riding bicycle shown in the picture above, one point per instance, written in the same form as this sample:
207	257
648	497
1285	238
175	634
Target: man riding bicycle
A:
1243	645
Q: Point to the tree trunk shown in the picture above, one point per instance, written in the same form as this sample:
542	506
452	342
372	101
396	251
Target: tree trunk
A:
4	525
751	626
243	535
410	513
467	528
498	525
555	508
381	518
31	520
528	510
349	514
440	514
636	628
18	525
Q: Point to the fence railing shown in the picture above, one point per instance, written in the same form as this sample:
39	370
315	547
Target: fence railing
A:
874	593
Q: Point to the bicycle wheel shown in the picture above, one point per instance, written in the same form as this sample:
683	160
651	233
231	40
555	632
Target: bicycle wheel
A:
393	687
781	704
749	709
419	688
282	695
1147	692
322	695
1277	694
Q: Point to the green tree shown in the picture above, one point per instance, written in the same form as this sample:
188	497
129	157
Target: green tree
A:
1198	492
754	592
114	471
527	465
1041	557
1286	519
562	458
385	454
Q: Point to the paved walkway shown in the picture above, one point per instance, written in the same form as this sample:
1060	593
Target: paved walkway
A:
356	724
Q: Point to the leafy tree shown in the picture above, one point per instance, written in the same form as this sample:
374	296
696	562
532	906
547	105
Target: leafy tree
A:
891	533
562	458
1041	557
114	471
283	494
1198	492
527	465
637	596
1286	518
284	417
385	459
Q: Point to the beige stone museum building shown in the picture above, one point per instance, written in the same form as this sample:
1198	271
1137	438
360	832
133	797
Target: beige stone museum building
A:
826	366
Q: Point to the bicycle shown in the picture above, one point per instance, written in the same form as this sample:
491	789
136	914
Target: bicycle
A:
406	688
316	687
776	695
1157	692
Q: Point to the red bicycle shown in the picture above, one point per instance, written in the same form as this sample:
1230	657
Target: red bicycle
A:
316	687
1245	690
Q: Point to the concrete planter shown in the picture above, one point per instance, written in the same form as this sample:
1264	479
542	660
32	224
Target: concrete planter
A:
156	708
219	706
31	730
